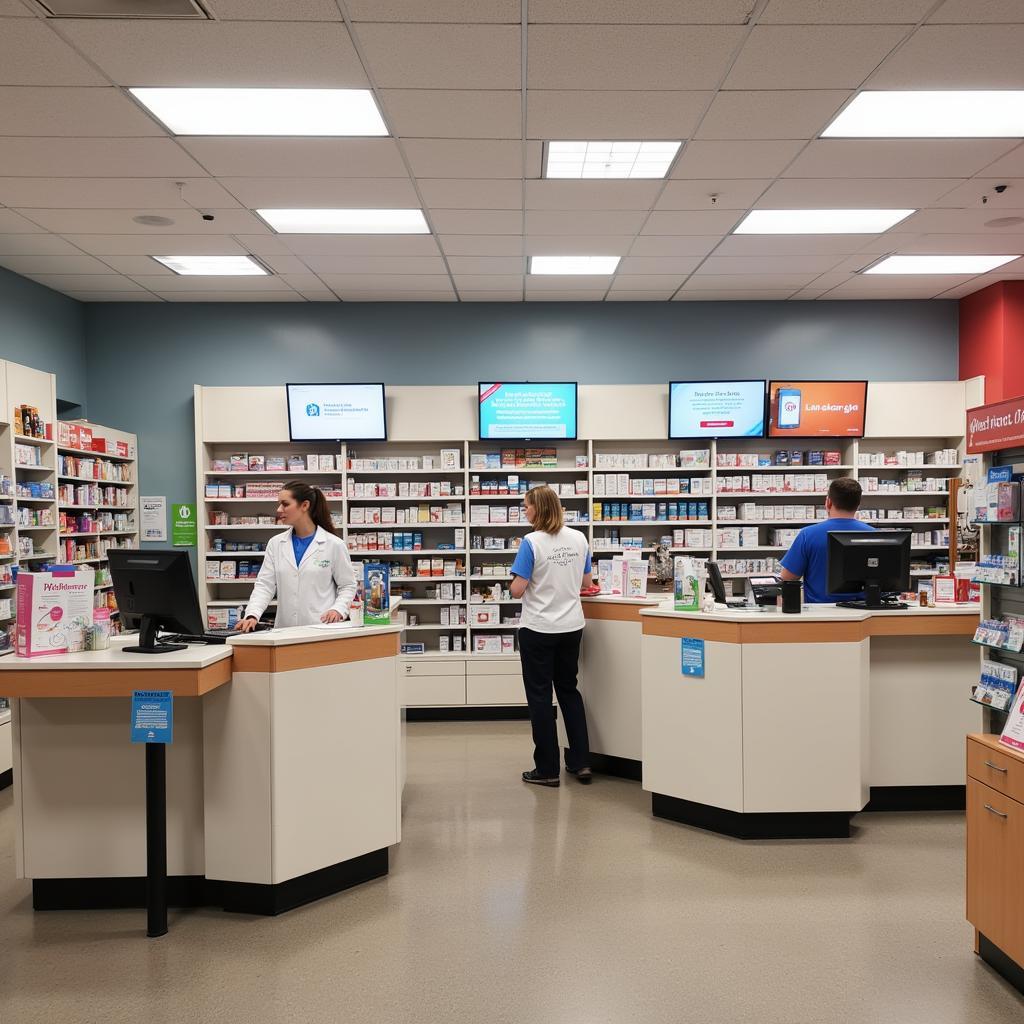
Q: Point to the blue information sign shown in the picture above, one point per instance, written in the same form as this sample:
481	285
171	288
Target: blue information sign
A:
692	651
152	716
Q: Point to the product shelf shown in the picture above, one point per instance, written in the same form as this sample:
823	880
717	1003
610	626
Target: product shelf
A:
39	442
93	480
802	467
88	508
741	495
429	579
406	499
495	626
869	495
102	533
38	529
264	526
359	553
401	472
95	455
677	523
954	468
36	469
648	498
32	501
487	579
751	547
384	527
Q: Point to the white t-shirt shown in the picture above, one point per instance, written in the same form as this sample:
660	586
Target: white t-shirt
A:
554	564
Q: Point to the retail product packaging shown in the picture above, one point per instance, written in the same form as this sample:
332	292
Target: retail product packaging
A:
687	585
1013	732
377	587
996	686
636	579
486	615
486	644
451	459
54	612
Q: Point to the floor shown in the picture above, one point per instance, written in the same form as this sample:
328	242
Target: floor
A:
510	904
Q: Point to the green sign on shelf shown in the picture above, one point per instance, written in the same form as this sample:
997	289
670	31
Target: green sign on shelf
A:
184	530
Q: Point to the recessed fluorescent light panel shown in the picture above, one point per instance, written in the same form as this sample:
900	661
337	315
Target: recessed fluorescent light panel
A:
264	111
573	264
939	264
609	159
346	222
213	266
819	222
931	115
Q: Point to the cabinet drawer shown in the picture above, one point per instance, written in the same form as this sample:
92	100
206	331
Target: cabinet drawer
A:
1003	772
433	690
494	689
432	667
494	665
995	852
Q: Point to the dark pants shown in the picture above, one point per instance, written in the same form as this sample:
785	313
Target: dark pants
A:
553	658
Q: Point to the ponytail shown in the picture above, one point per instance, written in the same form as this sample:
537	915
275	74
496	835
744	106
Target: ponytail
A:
318	510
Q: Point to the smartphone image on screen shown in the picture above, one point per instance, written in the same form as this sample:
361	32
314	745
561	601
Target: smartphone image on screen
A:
787	412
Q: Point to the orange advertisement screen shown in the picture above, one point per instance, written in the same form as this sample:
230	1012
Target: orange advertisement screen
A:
816	408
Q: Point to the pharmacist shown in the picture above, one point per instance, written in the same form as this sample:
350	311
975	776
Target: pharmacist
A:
807	558
307	568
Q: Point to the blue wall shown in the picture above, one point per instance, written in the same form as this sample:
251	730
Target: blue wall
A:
45	330
144	358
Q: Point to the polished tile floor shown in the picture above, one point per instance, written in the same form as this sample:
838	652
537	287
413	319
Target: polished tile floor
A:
510	904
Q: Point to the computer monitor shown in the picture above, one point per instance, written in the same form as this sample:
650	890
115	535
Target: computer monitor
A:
874	561
156	590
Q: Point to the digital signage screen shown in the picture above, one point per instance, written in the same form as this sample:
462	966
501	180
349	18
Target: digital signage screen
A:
521	411
336	412
715	408
817	408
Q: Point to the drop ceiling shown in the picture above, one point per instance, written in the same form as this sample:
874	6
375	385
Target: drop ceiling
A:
470	91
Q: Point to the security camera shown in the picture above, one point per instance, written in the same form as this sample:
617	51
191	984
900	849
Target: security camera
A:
208	216
1000	188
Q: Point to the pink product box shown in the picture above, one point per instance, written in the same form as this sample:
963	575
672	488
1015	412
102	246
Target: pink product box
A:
54	612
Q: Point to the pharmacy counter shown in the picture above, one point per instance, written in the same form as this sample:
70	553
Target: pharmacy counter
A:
282	778
610	682
793	723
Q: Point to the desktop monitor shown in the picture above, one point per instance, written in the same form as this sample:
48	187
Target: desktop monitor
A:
337	412
817	408
714	409
875	561
527	411
155	590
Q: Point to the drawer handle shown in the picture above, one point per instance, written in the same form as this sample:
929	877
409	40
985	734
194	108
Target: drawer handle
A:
995	767
989	807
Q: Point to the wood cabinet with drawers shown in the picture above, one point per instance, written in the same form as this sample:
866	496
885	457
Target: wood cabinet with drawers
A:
995	854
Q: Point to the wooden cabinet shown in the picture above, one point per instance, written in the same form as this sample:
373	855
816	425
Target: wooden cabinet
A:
995	846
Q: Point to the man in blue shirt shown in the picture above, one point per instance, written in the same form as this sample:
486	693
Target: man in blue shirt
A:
808	555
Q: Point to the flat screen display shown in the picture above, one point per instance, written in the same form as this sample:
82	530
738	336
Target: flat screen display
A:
520	411
817	408
336	412
716	408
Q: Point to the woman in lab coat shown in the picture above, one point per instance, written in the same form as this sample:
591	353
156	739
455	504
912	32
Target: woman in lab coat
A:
307	567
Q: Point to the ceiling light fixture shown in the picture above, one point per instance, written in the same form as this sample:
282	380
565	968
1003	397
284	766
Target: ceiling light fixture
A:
347	222
293	112
213	266
946	114
938	264
819	222
573	264
609	159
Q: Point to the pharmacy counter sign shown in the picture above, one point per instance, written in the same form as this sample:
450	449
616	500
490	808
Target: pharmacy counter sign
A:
993	427
184	531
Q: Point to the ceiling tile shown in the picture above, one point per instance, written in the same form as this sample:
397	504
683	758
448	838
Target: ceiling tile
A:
360	245
793	245
691	222
551	194
399	282
453	113
974	12
587	56
842	12
618	295
168	284
1011	164
422	56
388	295
74	158
34	245
647	282
483	265
64	222
477	222
314	193
113	193
990	242
732	194
144	266
274	10
507	295
13	223
700	281
470	158
283	158
639	12
811	56
14	9
79	264
902	286
567	282
896	158
735	159
577	245
383	265
850	193
279	296
634	265
87	282
31	54
768	264
170	245
279	264
740	295
584	222
75	112
595	295
673	245
970	193
488	282
482	245
435	10
626	114
471	193
308	285
265	245
956	57
952	222
168	53
139	296
773	114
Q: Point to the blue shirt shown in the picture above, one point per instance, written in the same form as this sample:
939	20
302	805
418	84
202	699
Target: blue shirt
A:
522	565
808	557
300	544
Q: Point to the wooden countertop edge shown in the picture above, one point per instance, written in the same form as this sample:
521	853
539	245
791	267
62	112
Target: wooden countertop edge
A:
292	657
793	631
100	682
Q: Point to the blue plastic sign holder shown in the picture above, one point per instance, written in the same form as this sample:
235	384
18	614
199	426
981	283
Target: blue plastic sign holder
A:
692	656
152	716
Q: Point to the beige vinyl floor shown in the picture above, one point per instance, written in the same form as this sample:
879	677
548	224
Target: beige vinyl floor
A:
509	904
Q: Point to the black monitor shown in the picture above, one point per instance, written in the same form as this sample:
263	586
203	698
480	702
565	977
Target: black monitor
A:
155	590
875	561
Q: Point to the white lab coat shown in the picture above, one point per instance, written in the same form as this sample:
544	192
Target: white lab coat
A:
324	580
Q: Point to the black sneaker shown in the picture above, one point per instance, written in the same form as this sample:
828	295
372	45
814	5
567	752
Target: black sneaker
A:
541	780
584	775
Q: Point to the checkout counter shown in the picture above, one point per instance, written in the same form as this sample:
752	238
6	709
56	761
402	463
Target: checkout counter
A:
284	776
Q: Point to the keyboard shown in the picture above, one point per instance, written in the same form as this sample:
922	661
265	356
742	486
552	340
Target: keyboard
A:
211	636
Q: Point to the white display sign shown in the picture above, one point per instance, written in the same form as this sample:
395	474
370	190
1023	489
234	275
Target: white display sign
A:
336	412
153	512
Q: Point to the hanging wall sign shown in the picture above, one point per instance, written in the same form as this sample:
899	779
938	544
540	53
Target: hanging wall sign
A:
993	427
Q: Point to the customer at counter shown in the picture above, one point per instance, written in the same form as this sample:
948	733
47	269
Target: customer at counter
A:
807	557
